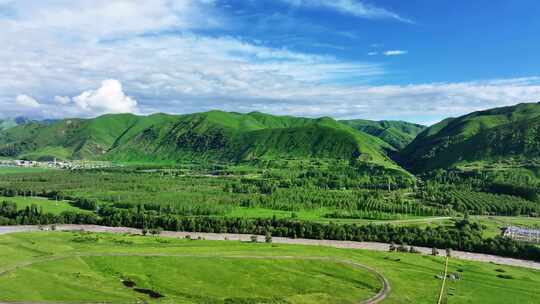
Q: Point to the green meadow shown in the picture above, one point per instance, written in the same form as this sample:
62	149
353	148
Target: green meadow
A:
48	206
74	266
16	170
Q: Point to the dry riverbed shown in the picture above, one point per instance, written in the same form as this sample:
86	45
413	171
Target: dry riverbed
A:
280	240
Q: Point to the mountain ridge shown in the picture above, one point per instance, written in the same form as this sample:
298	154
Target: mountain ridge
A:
490	135
212	135
395	132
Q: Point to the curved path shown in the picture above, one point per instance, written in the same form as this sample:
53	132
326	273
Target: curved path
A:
480	257
377	298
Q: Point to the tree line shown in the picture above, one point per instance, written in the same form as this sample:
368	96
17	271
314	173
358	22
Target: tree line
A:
464	235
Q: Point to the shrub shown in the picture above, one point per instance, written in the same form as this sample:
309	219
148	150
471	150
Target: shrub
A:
505	276
413	250
268	238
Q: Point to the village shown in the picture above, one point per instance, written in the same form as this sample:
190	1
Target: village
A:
57	164
522	234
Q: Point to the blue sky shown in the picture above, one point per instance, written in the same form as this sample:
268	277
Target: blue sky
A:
412	60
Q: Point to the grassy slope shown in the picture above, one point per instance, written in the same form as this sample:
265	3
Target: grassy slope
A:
72	138
213	135
396	133
412	277
501	133
322	137
48	206
198	280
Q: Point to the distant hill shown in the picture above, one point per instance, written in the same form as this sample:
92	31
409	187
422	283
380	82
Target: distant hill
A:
213	135
12	122
397	133
484	136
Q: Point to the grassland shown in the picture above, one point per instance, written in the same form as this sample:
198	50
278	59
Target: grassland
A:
490	283
319	216
48	206
22	170
70	266
194	280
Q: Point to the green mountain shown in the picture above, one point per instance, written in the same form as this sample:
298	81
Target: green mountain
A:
213	135
501	134
11	122
397	133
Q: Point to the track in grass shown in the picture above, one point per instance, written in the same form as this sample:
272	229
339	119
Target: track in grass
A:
277	279
413	277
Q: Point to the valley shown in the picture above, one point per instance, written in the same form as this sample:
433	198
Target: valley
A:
269	152
295	180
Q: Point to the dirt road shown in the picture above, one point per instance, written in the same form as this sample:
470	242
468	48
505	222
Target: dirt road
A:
280	240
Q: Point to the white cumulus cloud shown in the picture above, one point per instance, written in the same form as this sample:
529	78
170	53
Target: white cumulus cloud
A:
27	101
109	98
62	99
395	52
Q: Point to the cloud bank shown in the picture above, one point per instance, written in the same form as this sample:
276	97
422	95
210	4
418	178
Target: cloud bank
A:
27	101
156	60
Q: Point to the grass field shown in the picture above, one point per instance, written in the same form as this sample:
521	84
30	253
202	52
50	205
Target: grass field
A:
194	280
69	266
317	215
15	170
48	206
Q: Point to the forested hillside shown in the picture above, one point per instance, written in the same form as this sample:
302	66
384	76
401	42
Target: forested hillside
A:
397	133
508	134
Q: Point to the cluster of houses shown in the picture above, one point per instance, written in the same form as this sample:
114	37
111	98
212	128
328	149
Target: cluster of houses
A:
522	234
55	164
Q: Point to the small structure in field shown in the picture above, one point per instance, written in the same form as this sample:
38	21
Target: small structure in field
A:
522	234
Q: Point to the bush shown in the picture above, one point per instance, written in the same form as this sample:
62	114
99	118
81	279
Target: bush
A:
402	248
505	276
413	250
156	231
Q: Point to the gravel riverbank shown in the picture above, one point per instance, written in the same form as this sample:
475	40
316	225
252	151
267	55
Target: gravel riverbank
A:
280	240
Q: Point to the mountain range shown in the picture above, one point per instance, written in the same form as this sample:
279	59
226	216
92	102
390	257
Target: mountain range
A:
486	136
213	135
